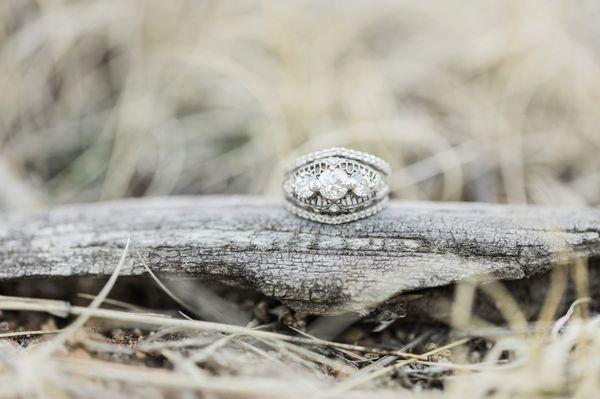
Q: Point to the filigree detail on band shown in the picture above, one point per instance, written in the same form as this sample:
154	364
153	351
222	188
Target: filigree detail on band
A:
337	185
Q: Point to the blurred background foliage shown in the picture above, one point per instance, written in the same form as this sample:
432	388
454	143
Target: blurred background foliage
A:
469	100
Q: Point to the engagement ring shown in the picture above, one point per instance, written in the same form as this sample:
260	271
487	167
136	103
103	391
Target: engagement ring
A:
336	185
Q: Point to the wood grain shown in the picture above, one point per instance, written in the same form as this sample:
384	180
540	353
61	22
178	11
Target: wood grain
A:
253	242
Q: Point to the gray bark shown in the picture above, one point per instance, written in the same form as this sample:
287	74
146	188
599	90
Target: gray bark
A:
254	243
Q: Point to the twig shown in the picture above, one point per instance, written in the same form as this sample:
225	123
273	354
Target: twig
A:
15	303
84	316
26	333
353	383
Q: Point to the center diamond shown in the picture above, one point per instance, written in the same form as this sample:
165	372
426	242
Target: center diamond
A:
334	184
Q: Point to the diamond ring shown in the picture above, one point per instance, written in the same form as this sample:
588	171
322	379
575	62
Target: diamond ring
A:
337	185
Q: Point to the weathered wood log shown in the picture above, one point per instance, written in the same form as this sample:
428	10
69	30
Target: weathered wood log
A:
253	242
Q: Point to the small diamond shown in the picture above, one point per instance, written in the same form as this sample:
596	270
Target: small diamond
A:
334	184
303	186
363	185
288	187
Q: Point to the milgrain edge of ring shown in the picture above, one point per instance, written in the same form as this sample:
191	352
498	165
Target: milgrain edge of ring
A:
359	156
338	219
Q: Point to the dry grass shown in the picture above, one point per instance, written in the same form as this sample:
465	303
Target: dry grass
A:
141	354
479	100
469	100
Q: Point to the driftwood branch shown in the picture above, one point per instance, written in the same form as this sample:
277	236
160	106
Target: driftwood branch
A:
254	243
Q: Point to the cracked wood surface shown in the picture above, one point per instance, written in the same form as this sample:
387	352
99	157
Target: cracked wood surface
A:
254	243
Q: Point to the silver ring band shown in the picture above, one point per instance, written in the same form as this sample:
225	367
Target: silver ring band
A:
337	185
